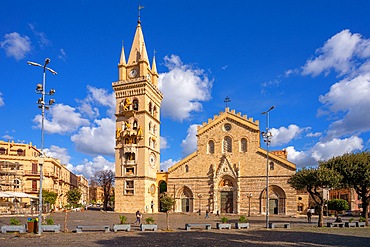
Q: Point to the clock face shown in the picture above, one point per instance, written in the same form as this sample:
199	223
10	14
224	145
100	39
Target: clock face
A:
152	160
133	73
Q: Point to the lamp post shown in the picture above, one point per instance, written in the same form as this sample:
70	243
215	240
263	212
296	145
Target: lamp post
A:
249	204
267	139
200	197
40	89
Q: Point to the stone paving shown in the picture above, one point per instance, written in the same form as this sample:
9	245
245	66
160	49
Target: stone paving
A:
301	233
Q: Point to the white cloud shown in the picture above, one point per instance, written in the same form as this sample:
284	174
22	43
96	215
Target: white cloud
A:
96	140
88	168
58	153
64	119
322	151
7	137
335	147
284	135
1	100
189	145
183	88
40	36
164	143
300	158
351	97
167	164
62	55
100	97
15	45
337	54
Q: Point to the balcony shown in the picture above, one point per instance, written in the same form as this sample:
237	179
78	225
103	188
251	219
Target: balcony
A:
30	173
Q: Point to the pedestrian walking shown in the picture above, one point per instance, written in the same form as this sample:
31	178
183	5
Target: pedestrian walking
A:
138	217
309	215
218	213
207	214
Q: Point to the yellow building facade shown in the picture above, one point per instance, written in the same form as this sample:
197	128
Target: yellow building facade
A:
20	172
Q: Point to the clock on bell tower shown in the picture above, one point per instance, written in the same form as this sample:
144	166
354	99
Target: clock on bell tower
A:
137	149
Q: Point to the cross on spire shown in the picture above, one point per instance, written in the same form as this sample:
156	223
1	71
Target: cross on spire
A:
227	100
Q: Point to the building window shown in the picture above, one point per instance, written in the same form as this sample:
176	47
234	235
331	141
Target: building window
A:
227	127
129	187
150	108
130	170
129	156
135	104
150	126
34	185
227	144
2	150
20	152
186	168
243	145
154	111
211	147
154	129
150	141
134	126
272	166
17	183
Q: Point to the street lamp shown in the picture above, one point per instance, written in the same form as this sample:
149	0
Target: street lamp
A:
249	202
40	89
267	139
200	197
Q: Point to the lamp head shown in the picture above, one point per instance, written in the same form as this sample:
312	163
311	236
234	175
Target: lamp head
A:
47	61
39	87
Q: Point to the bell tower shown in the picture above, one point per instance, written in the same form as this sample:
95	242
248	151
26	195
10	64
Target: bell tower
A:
137	149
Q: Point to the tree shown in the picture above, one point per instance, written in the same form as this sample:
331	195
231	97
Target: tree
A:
49	196
355	169
74	196
167	203
105	179
338	205
314	180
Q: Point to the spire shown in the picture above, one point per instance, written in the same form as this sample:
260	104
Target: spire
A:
122	65
154	65
122	60
138	49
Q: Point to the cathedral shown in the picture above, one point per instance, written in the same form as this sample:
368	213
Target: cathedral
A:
227	172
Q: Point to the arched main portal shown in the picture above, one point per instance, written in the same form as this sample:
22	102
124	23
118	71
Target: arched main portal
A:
277	200
227	194
184	200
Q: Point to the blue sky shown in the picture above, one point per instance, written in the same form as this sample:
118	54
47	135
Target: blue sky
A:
310	59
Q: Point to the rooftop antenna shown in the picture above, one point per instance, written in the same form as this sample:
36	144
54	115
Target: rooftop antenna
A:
227	100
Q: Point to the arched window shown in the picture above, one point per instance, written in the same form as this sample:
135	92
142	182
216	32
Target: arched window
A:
272	165
134	126
211	147
227	144
20	152
154	111
135	104
150	126
186	168
243	145
2	150
150	108
150	141
154	129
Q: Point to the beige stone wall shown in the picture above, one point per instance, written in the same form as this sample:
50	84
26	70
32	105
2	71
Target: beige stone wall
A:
203	176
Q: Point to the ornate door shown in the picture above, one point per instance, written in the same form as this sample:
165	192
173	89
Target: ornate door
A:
227	202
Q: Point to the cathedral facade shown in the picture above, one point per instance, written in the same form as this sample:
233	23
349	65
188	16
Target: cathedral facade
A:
227	172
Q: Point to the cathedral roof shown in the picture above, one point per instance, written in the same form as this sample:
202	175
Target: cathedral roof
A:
233	116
